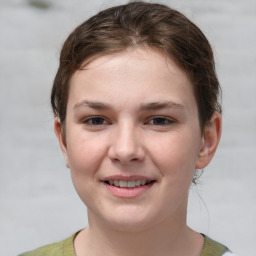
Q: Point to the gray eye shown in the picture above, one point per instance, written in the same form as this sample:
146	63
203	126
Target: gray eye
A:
160	121
95	121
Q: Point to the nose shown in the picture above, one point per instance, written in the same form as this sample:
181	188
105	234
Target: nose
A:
126	145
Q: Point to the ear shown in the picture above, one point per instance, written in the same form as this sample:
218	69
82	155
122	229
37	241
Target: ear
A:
210	140
60	134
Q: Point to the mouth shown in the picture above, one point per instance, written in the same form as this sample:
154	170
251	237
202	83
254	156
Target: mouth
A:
128	187
128	183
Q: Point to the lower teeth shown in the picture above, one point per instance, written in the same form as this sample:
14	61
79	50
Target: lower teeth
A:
128	186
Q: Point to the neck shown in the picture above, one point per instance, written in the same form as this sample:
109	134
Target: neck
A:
171	235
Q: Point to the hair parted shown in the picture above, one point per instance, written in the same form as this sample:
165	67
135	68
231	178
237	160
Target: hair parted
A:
139	24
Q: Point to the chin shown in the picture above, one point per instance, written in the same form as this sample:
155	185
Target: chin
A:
127	219
129	226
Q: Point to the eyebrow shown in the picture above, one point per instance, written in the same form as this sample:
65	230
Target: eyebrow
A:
143	107
94	105
160	105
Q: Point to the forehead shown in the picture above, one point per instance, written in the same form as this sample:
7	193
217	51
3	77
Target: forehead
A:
139	70
143	57
140	54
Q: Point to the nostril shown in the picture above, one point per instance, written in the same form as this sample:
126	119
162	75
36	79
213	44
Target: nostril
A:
125	146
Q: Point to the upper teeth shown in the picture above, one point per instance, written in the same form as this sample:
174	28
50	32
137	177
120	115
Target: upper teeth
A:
127	184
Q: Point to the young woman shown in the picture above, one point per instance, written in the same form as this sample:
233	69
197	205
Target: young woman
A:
136	111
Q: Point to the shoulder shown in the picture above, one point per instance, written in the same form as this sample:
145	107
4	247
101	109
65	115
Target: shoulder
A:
62	248
213	248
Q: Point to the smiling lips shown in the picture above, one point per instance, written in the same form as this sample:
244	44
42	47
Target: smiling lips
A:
128	186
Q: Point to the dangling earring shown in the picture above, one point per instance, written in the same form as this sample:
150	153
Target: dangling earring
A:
197	175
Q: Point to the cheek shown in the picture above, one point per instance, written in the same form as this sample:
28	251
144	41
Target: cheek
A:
85	153
85	157
176	154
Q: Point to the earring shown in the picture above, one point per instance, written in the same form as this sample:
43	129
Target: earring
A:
197	175
67	166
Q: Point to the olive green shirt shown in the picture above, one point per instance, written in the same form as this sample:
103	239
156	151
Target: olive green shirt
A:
66	248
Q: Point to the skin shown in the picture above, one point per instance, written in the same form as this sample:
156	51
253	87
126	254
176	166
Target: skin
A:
134	113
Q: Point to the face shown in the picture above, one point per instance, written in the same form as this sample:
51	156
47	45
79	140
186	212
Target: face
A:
132	139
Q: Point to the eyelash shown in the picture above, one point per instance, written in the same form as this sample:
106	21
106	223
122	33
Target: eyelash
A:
90	120
163	121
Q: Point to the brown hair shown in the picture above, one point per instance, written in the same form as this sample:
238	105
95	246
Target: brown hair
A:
133	25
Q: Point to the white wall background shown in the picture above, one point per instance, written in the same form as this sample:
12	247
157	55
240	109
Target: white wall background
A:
38	204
